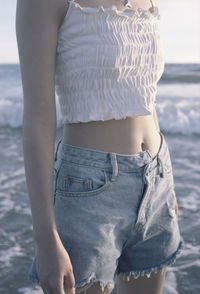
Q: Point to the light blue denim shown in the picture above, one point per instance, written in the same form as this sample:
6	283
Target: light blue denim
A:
115	213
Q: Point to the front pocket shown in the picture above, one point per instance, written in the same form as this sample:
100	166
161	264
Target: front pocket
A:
75	184
76	180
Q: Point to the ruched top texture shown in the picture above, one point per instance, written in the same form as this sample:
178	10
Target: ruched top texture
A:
108	63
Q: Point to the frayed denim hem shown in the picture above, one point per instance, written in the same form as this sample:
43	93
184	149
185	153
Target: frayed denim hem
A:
138	273
87	283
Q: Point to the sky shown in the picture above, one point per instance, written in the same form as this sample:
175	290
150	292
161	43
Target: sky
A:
179	25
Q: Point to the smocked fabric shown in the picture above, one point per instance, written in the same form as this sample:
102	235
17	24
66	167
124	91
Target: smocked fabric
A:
108	63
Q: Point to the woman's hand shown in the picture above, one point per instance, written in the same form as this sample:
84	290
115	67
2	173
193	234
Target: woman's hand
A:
54	269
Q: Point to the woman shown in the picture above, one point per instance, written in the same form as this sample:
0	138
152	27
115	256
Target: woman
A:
107	216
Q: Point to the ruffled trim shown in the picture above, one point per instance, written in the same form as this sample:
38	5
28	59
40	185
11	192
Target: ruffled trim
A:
138	273
101	117
138	13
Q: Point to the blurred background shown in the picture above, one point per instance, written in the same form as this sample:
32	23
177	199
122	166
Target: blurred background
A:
178	109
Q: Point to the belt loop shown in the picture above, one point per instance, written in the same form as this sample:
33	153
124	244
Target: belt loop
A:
114	165
55	157
161	167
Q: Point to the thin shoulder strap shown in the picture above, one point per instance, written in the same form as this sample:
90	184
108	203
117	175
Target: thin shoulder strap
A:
152	6
70	1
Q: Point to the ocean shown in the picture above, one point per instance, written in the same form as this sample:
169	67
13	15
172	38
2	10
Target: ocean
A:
178	109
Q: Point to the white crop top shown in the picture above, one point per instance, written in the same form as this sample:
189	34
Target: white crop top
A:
108	63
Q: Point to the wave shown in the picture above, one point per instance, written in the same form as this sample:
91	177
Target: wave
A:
175	114
168	78
181	73
178	99
181	117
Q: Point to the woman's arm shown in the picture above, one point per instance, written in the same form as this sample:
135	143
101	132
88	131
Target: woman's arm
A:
37	23
36	30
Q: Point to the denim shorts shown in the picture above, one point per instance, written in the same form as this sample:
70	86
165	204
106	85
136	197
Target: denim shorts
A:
115	213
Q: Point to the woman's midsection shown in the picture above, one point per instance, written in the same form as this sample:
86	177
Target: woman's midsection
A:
126	136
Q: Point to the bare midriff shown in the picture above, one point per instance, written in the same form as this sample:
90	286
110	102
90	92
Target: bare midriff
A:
125	136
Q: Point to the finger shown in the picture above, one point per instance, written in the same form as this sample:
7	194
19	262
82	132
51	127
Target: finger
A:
52	287
69	283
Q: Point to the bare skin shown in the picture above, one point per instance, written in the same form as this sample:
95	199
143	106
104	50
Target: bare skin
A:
37	23
127	136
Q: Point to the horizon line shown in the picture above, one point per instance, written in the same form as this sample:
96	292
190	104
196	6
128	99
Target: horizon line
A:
166	62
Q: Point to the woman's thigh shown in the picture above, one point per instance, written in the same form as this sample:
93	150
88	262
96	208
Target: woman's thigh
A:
154	284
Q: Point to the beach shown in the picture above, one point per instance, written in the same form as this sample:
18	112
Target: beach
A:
178	109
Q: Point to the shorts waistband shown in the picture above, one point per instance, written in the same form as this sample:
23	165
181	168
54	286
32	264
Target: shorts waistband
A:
108	160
